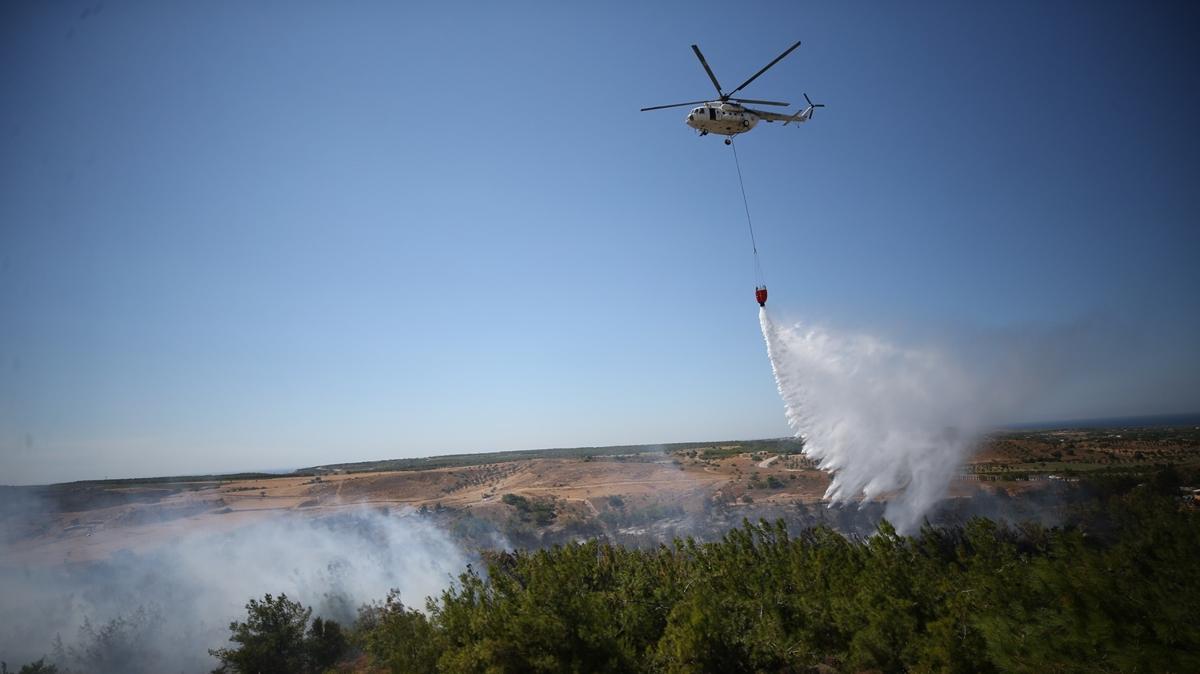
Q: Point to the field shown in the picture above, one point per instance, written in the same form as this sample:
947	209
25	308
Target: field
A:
626	494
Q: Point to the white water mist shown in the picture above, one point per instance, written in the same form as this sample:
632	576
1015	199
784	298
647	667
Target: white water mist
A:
175	602
886	422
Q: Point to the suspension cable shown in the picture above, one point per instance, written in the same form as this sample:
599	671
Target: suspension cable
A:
758	273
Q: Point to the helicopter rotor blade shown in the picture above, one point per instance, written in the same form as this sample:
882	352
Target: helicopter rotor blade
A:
708	70
764	69
751	100
673	105
812	107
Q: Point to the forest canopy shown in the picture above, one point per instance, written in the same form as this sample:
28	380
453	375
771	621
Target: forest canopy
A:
1113	590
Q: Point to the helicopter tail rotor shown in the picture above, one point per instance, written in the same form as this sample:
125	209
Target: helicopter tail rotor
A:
812	106
805	114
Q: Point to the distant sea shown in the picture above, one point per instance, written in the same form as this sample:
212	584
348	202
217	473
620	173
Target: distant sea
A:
1157	420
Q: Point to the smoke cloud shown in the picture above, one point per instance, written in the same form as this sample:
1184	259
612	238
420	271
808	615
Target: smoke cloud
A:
887	422
161	611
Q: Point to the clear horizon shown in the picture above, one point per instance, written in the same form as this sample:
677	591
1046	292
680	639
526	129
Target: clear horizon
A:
1150	421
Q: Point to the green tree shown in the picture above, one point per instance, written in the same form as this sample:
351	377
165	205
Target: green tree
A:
325	643
397	637
276	639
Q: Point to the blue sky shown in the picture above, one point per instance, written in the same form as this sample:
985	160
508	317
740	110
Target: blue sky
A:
259	235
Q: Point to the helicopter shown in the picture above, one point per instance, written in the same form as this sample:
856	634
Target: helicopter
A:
726	116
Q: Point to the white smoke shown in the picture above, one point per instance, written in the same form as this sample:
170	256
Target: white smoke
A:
162	610
886	422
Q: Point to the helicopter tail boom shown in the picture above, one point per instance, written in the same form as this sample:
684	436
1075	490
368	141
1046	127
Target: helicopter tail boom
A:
800	116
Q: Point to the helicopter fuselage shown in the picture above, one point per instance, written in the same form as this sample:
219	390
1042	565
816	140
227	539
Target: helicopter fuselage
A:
721	118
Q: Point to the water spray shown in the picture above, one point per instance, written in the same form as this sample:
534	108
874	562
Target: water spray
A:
887	423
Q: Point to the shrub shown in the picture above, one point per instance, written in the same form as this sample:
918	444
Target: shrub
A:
398	637
276	638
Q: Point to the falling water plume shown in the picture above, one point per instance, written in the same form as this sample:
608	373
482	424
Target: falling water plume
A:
887	423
